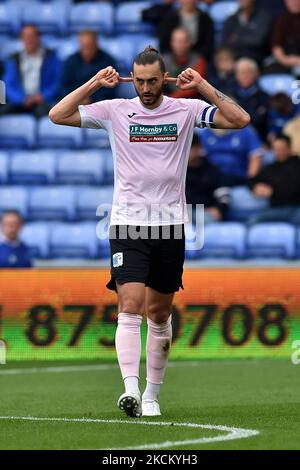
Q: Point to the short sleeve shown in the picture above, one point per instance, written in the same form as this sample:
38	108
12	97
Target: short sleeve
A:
254	145
203	113
96	115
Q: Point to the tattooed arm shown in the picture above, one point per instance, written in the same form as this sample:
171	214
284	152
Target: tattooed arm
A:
229	114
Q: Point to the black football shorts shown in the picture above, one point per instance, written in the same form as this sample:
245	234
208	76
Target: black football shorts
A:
153	256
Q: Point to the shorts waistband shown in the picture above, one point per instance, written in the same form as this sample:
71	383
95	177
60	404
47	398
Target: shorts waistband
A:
175	231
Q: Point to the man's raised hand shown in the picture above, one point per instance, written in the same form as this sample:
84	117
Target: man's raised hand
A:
188	79
108	77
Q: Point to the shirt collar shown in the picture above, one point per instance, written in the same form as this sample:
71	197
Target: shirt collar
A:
39	54
3	239
151	111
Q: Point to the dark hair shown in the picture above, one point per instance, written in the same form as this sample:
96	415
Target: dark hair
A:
30	25
149	56
88	32
222	50
11	211
284	137
282	103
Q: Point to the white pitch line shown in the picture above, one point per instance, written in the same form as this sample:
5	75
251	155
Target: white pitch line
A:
55	369
91	367
232	433
79	368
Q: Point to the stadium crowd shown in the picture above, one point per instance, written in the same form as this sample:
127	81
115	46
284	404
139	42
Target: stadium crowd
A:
248	49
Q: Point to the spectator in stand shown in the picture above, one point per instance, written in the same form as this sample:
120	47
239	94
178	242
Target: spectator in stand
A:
286	40
13	252
203	184
282	110
84	64
221	72
280	182
237	154
180	58
31	76
157	12
249	95
198	24
292	130
247	32
274	8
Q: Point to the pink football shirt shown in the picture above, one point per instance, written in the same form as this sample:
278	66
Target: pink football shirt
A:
150	150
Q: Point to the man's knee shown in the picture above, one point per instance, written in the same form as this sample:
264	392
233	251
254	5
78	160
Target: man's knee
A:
128	304
131	306
159	313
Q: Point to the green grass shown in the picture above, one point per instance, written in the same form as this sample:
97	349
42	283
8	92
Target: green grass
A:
262	395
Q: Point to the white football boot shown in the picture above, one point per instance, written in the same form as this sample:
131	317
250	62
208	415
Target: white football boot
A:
150	408
131	404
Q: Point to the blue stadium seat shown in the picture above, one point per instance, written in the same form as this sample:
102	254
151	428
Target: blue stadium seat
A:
275	240
92	16
36	235
33	167
74	240
80	167
65	2
96	138
193	241
224	240
128	18
63	47
203	7
17	131
125	47
52	135
50	18
144	40
276	83
221	11
9	46
103	244
244	204
9	18
4	159
53	203
50	41
126	90
109	166
89	199
122	49
14	198
267	157
297	254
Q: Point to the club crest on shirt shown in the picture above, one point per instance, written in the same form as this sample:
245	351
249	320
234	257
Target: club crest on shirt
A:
117	259
155	133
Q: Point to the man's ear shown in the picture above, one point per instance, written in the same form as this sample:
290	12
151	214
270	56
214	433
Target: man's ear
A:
131	74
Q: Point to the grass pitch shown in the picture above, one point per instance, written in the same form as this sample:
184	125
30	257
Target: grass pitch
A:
260	395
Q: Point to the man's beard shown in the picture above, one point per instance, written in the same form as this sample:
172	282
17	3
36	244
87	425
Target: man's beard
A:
149	99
